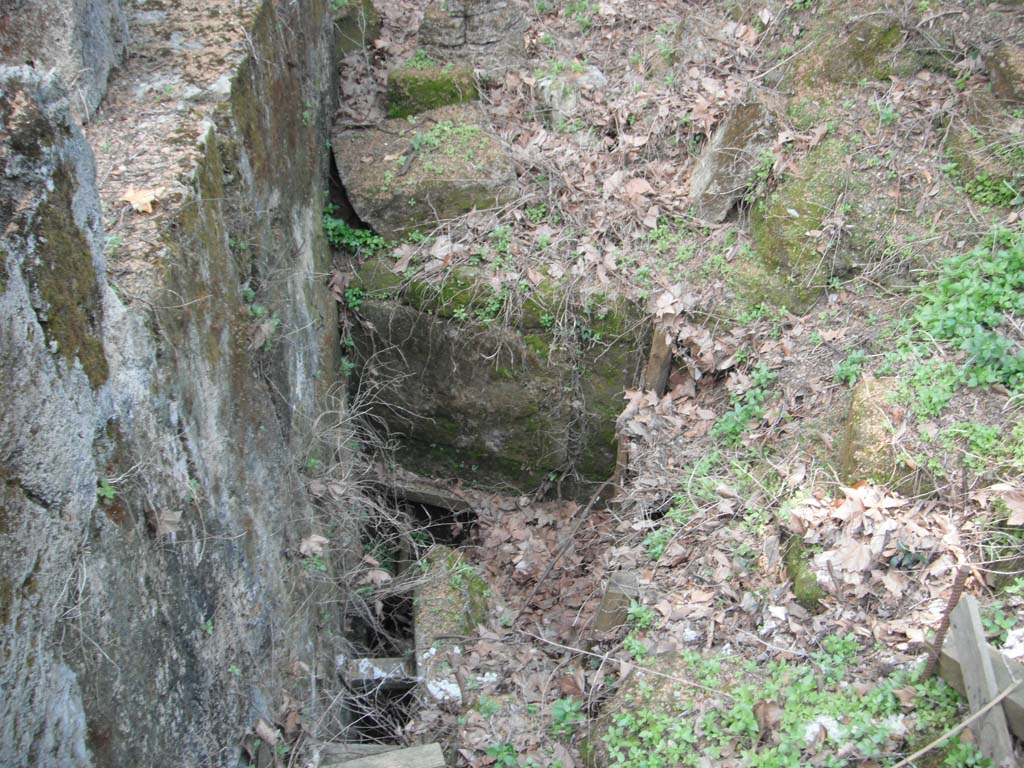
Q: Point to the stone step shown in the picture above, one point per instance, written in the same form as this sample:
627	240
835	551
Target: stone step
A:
424	756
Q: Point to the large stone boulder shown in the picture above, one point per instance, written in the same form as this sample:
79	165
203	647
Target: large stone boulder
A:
730	161
496	397
412	173
849	51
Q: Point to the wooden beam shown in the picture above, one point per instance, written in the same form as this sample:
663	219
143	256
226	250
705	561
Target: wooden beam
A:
425	756
659	363
980	681
1006	671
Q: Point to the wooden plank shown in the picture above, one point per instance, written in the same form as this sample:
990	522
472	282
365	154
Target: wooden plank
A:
1006	670
979	678
613	611
339	752
425	756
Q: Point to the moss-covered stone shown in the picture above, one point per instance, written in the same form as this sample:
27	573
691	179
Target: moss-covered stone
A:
850	52
787	269
497	401
410	173
420	85
356	25
866	452
806	589
72	309
451	601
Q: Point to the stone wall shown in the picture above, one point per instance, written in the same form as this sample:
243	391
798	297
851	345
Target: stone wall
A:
81	40
150	608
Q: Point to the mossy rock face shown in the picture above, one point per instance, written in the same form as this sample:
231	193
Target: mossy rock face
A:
728	164
786	269
418	86
867	452
1006	70
72	310
499	406
806	589
410	173
356	25
849	52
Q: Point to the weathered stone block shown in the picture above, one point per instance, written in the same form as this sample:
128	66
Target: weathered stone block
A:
1006	70
787	269
559	94
413	173
452	600
867	451
495	406
419	86
731	159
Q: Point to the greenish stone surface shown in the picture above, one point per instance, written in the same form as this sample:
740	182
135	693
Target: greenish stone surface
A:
805	585
356	25
498	405
416	87
850	51
786	269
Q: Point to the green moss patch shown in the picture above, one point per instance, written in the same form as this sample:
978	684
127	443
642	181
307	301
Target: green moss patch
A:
68	284
787	269
419	86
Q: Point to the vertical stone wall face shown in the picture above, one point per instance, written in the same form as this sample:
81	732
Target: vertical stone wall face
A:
150	611
83	40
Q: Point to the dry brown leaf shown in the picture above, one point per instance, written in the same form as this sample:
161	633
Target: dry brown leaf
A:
141	200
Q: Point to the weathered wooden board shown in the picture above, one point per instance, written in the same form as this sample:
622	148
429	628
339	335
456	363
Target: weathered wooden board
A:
337	753
1006	671
659	363
979	680
425	756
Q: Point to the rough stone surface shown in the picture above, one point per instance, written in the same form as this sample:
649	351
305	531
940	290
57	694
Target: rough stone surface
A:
414	87
450	603
847	52
559	94
411	173
495	405
867	452
82	40
787	269
1006	70
485	33
727	165
148	612
356	26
